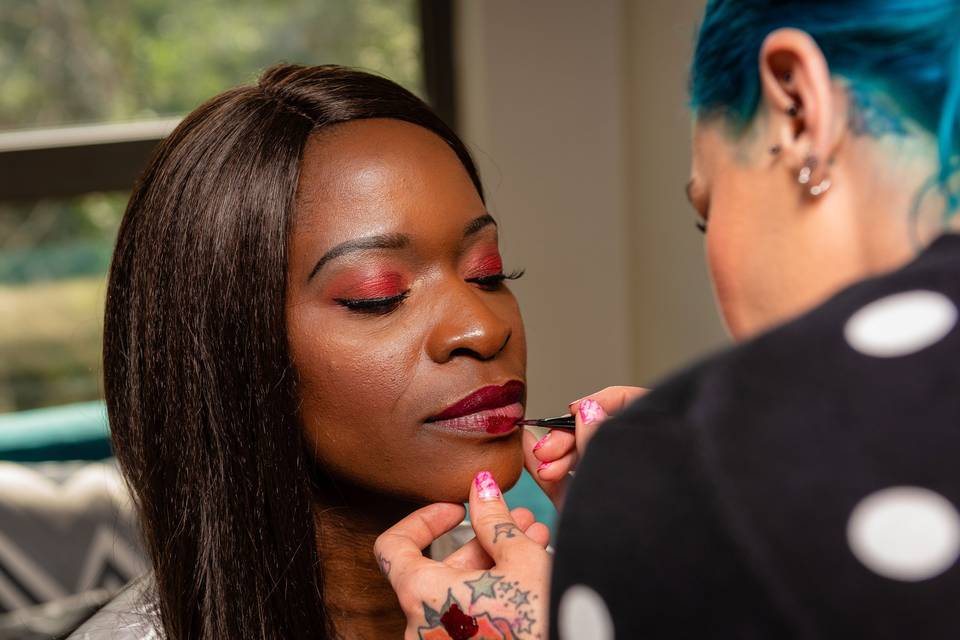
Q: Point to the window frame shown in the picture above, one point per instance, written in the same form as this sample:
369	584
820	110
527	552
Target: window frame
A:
70	161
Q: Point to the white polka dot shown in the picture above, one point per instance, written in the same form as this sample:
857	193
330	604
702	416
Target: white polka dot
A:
583	614
905	533
901	324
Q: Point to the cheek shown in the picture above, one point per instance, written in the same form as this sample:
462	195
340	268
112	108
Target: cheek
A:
350	388
731	249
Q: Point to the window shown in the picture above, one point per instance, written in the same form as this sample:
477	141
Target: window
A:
89	87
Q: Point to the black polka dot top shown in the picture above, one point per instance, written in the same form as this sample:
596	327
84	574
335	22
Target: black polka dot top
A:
805	484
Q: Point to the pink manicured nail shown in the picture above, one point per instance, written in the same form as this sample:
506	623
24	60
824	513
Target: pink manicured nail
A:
487	488
591	411
542	466
542	441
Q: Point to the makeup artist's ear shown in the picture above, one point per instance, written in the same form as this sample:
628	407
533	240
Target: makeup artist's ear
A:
800	102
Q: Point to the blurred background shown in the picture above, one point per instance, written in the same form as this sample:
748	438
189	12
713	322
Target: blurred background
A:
574	110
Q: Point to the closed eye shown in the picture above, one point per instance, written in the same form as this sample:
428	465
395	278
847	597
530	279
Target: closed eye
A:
494	281
373	306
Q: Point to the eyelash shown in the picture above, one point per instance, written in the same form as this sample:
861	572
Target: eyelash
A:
374	306
493	282
383	306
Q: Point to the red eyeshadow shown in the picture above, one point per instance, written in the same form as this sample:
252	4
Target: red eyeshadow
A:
488	265
359	287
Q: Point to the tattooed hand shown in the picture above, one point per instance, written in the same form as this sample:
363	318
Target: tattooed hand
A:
493	588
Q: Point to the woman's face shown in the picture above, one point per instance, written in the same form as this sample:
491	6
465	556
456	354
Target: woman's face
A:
773	252
398	316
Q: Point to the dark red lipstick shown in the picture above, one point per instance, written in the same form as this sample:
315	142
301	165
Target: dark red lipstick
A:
493	409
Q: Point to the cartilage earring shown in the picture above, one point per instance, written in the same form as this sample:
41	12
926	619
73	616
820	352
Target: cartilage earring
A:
793	110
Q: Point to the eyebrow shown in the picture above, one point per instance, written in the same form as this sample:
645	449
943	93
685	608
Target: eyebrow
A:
477	224
385	241
390	241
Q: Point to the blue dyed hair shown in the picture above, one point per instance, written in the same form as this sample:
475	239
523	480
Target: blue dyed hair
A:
908	49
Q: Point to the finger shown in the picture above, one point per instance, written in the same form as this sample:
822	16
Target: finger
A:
499	535
555	444
589	416
557	470
399	549
471	556
554	489
612	399
539	533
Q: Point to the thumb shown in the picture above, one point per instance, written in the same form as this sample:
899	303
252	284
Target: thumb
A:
496	529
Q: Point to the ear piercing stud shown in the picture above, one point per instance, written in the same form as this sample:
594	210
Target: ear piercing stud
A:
820	189
806	173
807	170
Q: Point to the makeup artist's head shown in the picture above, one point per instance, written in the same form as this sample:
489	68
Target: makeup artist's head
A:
825	145
306	300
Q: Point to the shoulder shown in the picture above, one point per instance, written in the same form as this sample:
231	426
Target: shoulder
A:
735	482
131	615
887	341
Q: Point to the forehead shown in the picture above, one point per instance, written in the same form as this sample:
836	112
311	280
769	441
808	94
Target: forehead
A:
380	176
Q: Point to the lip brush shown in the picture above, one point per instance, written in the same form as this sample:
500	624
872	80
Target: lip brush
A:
560	422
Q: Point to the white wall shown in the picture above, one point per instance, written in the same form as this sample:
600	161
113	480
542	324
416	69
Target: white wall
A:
574	111
675	319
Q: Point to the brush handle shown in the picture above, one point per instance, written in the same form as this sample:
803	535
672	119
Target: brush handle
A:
566	422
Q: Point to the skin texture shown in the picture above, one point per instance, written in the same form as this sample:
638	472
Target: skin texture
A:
774	251
368	381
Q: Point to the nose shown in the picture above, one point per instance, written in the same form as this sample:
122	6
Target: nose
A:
467	326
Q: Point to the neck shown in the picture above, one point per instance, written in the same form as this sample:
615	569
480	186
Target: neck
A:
358	597
900	214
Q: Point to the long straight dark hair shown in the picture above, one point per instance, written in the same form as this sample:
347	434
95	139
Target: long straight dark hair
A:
200	389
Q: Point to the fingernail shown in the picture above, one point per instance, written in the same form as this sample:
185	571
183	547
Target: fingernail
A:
591	411
542	441
542	466
487	488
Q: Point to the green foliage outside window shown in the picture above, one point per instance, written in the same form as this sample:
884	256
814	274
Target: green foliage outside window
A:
85	61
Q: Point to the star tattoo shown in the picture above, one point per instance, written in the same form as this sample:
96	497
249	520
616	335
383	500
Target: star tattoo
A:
483	586
528	627
520	598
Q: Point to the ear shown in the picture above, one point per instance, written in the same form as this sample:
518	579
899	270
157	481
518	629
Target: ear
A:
798	94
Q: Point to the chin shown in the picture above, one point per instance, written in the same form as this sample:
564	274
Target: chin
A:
504	459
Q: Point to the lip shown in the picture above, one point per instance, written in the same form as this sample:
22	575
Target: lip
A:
492	409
